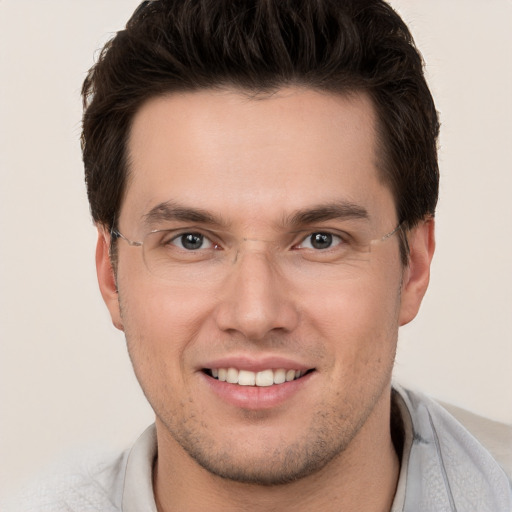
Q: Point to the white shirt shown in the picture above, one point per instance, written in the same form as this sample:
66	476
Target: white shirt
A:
443	469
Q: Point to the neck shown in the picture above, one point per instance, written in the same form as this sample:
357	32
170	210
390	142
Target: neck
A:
363	477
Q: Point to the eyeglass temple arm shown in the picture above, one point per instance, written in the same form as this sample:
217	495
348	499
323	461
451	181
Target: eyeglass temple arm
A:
114	233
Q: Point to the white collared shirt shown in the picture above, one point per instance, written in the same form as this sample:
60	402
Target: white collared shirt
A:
443	469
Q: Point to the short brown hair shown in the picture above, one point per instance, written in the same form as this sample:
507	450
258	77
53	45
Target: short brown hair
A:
339	46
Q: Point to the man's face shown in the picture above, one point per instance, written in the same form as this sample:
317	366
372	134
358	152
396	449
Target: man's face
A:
263	195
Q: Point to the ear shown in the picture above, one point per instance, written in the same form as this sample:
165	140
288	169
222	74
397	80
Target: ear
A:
416	276
106	277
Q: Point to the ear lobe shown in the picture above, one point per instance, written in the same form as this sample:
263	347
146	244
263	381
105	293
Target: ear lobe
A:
417	274
106	277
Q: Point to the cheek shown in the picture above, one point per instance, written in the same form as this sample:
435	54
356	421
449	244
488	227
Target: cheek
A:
361	302
160	322
153	309
359	319
159	330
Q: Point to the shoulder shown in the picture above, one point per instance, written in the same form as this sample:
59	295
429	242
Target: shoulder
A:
93	484
447	466
494	436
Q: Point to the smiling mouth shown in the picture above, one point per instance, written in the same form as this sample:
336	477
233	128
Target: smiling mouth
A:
263	378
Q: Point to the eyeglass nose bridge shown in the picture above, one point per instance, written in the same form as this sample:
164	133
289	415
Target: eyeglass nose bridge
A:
246	241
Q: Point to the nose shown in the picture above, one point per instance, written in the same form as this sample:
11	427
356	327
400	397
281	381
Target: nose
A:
257	299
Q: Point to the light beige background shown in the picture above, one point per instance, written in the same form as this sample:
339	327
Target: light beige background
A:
65	379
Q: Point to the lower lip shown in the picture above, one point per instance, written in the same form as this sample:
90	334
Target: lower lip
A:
256	397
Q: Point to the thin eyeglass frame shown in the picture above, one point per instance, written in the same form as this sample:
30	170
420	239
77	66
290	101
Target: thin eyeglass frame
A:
114	233
135	243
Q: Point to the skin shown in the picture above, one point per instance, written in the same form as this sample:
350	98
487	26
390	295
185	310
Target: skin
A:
253	163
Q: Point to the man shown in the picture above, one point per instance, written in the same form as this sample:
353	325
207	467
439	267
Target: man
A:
264	178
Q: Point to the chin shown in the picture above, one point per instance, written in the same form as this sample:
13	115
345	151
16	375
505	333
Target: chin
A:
284	466
268	458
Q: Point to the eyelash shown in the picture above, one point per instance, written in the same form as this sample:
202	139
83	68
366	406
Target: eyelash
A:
332	236
180	236
336	240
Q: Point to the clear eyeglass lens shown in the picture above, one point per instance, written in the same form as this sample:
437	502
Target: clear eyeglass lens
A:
192	255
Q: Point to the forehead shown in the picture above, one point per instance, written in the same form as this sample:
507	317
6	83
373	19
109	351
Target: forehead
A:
240	155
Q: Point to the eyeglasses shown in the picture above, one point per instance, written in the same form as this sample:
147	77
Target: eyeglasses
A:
197	253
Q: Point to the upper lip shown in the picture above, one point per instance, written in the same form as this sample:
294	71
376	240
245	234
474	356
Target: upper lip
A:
256	364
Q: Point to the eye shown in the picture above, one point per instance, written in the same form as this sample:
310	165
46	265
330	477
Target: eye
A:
192	242
320	241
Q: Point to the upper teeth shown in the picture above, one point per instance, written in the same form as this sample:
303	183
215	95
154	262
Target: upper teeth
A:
263	378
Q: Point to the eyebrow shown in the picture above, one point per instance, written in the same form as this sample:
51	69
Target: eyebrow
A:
342	210
172	211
